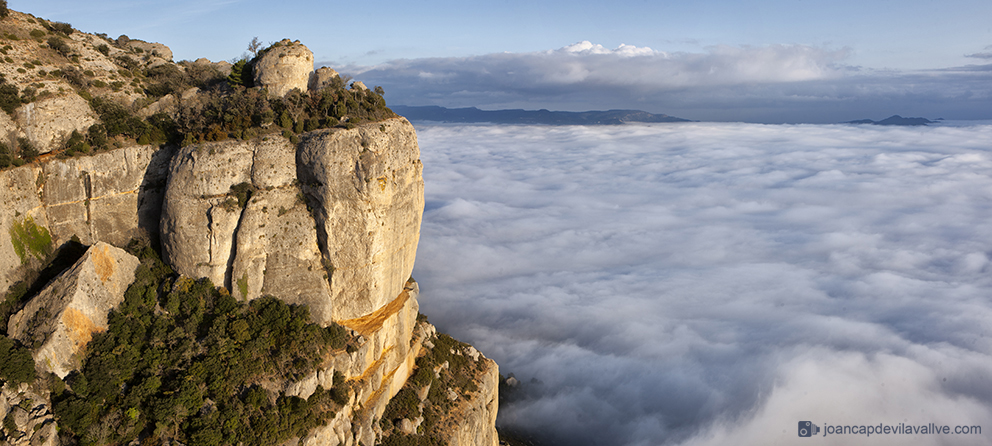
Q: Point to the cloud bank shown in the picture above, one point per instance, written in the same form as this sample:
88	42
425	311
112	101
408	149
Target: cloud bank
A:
775	83
707	284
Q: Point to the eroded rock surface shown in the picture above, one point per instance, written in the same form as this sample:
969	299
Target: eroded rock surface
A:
368	193
32	422
47	123
265	244
285	66
61	320
321	78
108	197
346	256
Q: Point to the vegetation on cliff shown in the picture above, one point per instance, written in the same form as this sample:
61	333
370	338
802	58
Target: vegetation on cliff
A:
184	360
142	97
445	374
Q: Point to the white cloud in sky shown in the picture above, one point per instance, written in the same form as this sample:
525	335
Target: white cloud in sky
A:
594	66
773	83
717	283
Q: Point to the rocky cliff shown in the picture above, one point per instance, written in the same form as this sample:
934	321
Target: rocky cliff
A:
316	206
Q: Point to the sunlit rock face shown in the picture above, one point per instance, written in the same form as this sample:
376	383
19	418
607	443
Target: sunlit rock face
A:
62	319
333	224
367	192
285	66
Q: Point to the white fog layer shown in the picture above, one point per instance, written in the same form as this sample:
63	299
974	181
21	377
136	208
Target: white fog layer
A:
714	284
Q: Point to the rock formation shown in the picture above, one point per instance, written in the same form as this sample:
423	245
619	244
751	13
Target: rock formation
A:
31	417
328	218
283	67
367	183
110	197
321	78
46	122
61	319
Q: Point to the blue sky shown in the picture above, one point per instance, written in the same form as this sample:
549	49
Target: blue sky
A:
839	56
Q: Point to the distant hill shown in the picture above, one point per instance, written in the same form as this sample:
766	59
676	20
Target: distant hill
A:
894	120
517	116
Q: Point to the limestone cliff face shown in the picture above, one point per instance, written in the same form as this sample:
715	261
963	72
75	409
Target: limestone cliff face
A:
368	196
265	245
347	256
109	197
331	221
474	418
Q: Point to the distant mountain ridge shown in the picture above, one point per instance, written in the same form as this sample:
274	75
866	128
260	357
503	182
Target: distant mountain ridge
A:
894	120
520	116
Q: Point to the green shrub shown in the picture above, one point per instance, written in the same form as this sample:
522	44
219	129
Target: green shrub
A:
9	98
27	150
37	34
97	136
167	79
242	192
127	62
240	74
59	46
59	28
118	120
76	144
103	49
18	365
6	158
154	372
75	77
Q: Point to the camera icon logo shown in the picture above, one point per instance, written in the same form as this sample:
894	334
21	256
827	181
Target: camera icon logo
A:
808	429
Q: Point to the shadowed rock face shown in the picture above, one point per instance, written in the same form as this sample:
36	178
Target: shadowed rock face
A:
346	256
62	319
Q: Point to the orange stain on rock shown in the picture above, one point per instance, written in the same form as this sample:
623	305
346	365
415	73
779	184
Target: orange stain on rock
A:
370	323
103	263
80	327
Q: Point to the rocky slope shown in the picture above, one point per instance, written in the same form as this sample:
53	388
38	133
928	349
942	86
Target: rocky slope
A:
327	218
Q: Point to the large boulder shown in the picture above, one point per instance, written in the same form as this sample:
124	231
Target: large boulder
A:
322	78
61	320
283	67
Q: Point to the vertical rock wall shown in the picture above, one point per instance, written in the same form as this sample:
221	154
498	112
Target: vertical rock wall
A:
333	224
368	199
108	197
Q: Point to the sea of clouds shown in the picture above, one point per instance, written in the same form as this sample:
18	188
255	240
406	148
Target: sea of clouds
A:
709	284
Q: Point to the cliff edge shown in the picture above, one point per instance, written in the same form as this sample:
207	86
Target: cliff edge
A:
161	215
